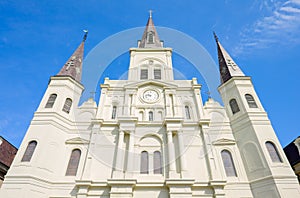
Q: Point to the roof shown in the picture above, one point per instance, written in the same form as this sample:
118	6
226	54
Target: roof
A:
292	152
150	37
73	66
7	152
228	68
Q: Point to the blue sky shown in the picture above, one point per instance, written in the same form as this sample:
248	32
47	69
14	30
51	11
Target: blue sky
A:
37	37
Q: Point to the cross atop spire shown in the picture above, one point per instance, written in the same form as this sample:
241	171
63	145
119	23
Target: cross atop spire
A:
228	68
150	37
150	13
73	67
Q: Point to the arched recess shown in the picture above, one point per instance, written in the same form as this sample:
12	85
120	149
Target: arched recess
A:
151	159
252	157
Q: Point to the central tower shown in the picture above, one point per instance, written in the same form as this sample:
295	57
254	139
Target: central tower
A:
150	60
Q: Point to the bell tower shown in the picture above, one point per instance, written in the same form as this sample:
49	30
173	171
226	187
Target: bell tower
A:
150	60
266	166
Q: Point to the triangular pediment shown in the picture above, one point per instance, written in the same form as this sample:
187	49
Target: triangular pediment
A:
149	83
224	141
77	140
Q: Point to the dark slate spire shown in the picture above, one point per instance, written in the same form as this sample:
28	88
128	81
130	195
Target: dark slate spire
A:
73	67
228	68
150	37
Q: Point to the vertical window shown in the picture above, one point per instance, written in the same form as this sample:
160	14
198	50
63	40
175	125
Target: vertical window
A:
150	38
150	116
73	163
51	101
29	151
67	105
273	152
228	164
187	112
144	74
250	100
157	74
114	112
144	162
157	163
234	106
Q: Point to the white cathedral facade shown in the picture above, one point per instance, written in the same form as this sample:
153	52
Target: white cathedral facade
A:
150	136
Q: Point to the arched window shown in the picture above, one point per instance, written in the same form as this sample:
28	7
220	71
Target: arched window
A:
51	101
67	105
273	152
114	112
187	112
234	106
150	116
144	162
73	163
228	164
29	151
250	100
150	37
157	163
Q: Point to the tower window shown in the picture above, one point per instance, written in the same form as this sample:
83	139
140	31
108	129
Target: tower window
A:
250	100
29	151
228	164
234	106
67	105
114	112
273	152
51	101
150	38
150	116
157	163
187	112
73	163
144	162
144	74
157	74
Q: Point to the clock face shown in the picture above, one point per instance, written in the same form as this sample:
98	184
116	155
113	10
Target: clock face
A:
150	96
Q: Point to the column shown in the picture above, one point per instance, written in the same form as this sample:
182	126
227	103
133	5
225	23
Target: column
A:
182	154
127	101
168	105
175	105
102	102
199	102
172	165
209	153
130	160
132	107
118	171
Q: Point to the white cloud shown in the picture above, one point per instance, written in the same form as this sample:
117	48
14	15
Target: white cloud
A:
281	26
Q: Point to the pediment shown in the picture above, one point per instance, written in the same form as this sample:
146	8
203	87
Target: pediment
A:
77	140
150	83
224	141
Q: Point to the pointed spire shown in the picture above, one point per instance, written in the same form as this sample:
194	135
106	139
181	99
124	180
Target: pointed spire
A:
150	37
73	67
228	68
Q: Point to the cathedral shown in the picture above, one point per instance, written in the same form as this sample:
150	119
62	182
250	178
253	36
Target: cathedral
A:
150	136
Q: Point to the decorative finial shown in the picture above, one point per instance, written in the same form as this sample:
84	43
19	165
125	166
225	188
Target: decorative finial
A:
85	35
216	38
150	13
